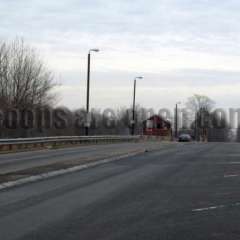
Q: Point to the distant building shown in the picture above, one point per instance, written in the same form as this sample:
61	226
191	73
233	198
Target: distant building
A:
157	126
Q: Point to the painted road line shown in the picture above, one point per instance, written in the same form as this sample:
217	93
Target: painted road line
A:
60	172
215	207
231	175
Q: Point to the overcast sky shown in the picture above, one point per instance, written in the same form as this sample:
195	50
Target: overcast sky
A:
182	47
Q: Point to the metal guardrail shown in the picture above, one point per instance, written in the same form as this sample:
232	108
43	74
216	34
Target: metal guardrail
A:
26	143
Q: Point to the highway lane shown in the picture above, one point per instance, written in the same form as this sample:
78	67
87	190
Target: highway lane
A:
23	160
190	191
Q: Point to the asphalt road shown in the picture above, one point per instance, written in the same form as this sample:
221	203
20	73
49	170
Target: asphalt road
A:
187	192
25	160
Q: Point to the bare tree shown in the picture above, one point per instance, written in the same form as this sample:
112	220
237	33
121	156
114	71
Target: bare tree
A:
198	102
24	79
200	107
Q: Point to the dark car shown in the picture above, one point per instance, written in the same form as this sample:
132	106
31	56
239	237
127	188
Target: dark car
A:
184	138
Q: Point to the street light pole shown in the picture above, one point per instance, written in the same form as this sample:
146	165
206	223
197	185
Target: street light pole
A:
196	126
87	123
133	110
176	120
88	90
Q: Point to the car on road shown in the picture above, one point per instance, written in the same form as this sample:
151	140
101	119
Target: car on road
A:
184	138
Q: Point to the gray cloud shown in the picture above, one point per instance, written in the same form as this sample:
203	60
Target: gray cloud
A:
66	29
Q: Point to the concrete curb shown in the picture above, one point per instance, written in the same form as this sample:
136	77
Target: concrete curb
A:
52	174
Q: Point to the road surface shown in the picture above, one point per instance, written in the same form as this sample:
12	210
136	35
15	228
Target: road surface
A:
190	191
25	160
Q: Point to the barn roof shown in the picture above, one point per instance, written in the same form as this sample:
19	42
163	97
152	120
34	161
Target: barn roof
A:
158	118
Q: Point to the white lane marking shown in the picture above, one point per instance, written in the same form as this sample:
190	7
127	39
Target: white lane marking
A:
215	207
228	163
60	172
208	208
231	175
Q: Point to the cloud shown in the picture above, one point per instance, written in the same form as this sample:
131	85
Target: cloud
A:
183	44
149	97
157	91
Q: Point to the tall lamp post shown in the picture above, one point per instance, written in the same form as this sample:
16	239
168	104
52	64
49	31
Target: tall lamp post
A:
134	98
87	123
176	120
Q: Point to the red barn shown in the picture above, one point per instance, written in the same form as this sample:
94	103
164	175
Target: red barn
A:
157	126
